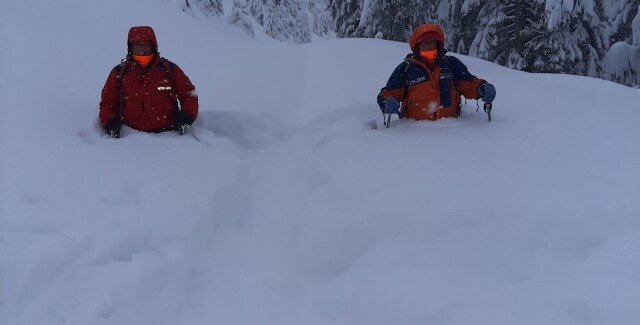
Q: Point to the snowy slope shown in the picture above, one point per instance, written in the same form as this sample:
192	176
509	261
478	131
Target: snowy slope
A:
293	208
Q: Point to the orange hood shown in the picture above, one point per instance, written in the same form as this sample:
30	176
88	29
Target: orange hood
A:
422	30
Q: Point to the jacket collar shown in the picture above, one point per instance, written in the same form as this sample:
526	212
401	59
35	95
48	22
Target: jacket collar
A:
156	61
417	57
418	60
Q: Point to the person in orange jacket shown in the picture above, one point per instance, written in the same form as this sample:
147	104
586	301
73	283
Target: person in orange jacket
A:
429	83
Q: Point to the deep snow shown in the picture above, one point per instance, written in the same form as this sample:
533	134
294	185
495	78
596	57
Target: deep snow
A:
294	208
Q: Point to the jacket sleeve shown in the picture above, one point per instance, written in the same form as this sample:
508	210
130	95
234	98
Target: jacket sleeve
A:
395	86
463	80
108	99
186	92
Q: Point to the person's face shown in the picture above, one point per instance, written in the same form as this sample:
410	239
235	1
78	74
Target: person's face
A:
141	48
428	45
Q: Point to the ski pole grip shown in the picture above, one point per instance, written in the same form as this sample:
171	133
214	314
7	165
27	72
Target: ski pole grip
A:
487	108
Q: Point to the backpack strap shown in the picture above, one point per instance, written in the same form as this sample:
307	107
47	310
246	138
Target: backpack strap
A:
122	69
166	66
445	59
405	82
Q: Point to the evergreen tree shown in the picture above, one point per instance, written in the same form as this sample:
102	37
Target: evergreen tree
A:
346	16
557	36
521	29
393	19
207	7
284	20
240	17
321	23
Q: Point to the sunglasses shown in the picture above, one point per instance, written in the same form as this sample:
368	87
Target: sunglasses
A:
141	48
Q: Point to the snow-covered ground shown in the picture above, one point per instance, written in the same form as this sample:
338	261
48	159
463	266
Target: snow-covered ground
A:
294	208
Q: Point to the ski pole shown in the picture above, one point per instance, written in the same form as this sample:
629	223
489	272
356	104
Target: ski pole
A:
180	127
114	134
386	119
487	108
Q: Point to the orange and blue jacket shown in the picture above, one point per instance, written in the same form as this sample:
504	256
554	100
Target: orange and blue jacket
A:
430	91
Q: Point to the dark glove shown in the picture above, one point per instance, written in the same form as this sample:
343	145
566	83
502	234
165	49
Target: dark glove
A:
391	106
487	92
183	118
113	126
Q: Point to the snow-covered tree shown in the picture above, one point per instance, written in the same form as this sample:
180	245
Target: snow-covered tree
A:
635	29
557	36
320	22
240	17
346	16
286	21
393	19
519	30
622	64
207	7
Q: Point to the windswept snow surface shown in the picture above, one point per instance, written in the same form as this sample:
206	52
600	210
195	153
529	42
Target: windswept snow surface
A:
294	208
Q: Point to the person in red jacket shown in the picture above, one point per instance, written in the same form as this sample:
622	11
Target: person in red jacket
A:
429	83
147	92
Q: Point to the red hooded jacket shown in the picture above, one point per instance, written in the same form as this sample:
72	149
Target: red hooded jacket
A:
149	94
